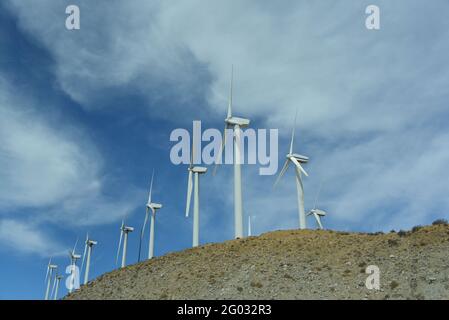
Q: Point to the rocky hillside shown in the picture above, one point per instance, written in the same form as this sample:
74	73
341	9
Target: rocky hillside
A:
296	264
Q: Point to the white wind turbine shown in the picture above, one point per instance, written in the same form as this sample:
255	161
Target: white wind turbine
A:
153	207
73	259
317	213
194	172
48	276
236	124
296	159
124	230
55	289
88	245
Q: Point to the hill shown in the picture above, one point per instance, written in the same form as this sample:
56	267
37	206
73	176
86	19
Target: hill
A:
295	264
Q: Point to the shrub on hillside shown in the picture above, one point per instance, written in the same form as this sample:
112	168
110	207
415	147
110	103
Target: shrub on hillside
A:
402	233
440	221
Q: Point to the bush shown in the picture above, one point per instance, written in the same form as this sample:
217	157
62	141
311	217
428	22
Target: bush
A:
393	242
440	221
402	233
393	284
416	228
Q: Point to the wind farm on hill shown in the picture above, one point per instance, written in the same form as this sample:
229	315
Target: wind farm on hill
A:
292	254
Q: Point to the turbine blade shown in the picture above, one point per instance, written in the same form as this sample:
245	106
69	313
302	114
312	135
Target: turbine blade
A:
318	220
284	168
151	187
293	133
298	165
229	115
220	152
76	243
189	193
317	194
48	269
119	246
84	256
142	233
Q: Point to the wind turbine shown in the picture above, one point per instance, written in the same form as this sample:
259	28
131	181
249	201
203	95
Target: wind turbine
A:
124	230
297	160
236	123
194	172
317	213
73	259
88	245
48	276
55	288
153	207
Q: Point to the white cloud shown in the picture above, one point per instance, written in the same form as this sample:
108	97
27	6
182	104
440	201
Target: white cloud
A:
24	238
51	168
370	103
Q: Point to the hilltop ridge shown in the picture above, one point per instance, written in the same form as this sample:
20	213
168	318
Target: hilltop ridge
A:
292	264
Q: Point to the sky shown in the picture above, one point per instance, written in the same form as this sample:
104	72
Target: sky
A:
86	115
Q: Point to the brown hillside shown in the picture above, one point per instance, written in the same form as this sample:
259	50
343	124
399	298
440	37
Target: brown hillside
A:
295	264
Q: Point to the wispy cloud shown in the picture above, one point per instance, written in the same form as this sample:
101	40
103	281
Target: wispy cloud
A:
52	169
370	104
24	238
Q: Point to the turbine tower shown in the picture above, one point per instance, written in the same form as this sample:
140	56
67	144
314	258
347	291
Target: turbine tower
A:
194	172
73	259
48	276
153	207
249	226
297	160
54	290
236	123
88	245
124	230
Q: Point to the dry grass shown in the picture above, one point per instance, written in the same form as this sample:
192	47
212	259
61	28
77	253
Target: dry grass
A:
293	264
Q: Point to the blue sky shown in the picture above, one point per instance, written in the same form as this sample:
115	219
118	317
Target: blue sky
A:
86	115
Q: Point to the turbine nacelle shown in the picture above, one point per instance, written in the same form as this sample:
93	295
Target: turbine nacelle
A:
128	229
52	266
154	206
241	122
199	170
91	243
318	212
299	157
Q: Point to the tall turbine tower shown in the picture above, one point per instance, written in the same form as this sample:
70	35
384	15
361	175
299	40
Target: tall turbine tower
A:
89	243
296	159
153	207
73	259
236	124
124	230
194	173
48	276
55	289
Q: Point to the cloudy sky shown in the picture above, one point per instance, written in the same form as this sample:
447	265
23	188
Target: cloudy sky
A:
86	115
